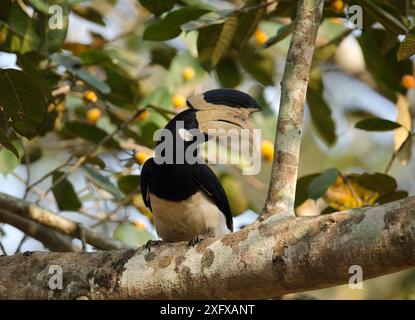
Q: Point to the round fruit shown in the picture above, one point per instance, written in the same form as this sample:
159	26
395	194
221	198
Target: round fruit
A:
178	101
408	81
267	150
337	6
236	196
90	96
141	157
188	73
143	116
260	37
93	115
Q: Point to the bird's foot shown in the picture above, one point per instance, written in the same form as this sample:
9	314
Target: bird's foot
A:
200	238
153	243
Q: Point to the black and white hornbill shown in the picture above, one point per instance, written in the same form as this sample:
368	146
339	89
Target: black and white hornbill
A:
186	198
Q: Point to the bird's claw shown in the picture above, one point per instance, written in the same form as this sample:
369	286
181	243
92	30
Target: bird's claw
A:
153	243
198	239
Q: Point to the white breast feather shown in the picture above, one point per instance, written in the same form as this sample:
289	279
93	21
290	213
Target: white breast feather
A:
184	220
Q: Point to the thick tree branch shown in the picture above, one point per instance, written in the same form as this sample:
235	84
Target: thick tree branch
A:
60	224
294	84
264	260
51	239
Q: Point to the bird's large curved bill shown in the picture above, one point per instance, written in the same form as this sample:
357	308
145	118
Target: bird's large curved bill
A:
226	123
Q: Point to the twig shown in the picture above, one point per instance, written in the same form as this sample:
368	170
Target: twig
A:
93	151
50	173
50	239
20	243
60	224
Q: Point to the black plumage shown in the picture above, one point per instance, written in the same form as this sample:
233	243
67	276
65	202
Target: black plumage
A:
186	198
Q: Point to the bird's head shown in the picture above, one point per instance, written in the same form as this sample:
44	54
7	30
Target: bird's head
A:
214	113
217	110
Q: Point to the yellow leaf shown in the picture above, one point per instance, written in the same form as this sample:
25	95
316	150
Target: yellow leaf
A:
401	134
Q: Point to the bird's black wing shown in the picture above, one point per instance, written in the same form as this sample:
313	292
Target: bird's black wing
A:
210	184
146	172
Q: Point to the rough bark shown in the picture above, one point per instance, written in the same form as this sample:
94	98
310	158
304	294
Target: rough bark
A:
281	192
264	260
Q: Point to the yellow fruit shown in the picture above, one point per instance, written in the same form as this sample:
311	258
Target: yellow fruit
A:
178	101
139	225
141	157
337	6
143	116
267	150
260	37
90	96
93	115
188	73
408	81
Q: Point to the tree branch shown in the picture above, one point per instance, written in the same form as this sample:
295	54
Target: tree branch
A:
281	192
51	239
60	224
264	260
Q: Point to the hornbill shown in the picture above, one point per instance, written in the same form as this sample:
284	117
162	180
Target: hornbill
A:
186	198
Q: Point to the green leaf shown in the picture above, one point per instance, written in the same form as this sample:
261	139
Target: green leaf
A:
95	57
397	195
129	184
247	22
260	65
22	102
88	13
163	55
25	61
10	160
130	235
301	190
64	193
213	42
407	47
208	19
102	182
5	136
22	35
379	182
282	33
377	124
5	6
90	133
73	65
123	93
380	59
169	27
228	73
319	185
158	6
40	6
386	18
52	27
320	111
